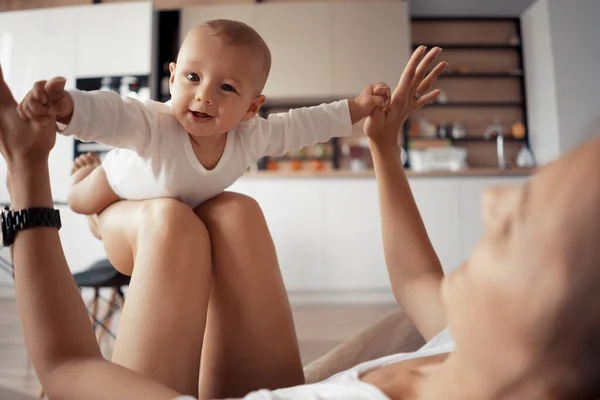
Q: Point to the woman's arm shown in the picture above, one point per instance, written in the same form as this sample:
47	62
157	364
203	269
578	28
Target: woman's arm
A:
414	268
57	330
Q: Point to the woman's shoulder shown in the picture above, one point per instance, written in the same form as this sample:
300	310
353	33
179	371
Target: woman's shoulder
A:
440	344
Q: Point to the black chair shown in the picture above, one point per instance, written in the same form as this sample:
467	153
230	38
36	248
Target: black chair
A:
102	275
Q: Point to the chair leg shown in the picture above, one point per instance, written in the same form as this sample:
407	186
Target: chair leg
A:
93	307
105	325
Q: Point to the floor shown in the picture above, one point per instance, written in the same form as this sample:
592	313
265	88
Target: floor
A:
319	330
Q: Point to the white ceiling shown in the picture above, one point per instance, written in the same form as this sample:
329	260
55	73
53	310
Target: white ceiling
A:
460	8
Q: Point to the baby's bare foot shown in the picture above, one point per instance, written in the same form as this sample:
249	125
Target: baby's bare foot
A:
86	162
82	167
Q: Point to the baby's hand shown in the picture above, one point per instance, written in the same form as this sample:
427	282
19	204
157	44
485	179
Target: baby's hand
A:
372	96
47	102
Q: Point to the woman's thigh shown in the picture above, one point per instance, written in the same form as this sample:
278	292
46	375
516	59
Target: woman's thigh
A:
250	340
165	248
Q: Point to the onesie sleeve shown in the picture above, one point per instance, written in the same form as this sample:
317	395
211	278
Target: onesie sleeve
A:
103	116
298	128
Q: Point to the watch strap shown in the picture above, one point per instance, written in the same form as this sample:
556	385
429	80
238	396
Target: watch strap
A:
34	217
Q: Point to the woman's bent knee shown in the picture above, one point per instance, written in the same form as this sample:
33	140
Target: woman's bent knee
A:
167	221
155	226
230	208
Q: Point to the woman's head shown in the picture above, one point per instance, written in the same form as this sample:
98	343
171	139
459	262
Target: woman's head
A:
527	302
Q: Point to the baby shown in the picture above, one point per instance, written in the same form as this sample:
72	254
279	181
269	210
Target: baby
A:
205	139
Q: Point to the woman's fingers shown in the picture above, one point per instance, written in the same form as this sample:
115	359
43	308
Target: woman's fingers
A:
422	69
430	79
39	94
426	99
408	75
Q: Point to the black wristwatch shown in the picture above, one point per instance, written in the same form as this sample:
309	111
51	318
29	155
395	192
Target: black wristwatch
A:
15	221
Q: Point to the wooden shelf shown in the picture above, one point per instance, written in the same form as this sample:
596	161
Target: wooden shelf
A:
469	46
472	172
480	75
485	104
300	158
470	139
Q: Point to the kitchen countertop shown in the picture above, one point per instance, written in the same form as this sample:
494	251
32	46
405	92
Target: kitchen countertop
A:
472	172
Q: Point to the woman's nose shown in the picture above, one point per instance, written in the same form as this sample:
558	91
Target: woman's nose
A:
497	203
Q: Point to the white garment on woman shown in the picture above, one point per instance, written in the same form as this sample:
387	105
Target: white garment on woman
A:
154	155
347	385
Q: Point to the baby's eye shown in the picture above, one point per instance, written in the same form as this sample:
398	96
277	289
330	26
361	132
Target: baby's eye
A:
193	77
227	88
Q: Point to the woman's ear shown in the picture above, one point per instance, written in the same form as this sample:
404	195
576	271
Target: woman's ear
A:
172	70
256	104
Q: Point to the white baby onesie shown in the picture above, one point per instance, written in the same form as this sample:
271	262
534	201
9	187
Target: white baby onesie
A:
154	156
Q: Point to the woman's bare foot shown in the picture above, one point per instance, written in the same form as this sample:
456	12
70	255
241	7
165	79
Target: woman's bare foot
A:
82	167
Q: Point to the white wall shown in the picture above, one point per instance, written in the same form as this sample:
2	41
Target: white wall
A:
540	83
561	43
461	8
575	34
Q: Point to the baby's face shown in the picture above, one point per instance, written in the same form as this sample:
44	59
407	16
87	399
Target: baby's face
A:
214	85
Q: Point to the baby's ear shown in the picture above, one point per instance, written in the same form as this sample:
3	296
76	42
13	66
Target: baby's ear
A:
172	70
256	104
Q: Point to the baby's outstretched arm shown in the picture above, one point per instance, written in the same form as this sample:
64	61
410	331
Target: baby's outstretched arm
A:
307	126
98	116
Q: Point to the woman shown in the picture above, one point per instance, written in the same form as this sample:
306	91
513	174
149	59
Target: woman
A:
510	307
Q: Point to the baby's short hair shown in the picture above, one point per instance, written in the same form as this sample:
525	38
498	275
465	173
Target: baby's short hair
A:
237	33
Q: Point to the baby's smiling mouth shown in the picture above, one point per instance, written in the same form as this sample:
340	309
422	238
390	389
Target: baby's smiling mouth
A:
201	114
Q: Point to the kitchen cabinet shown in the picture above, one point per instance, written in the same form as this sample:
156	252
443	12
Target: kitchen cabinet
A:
114	39
327	231
322	50
352	229
98	40
298	35
194	15
369	44
438	202
37	45
294	213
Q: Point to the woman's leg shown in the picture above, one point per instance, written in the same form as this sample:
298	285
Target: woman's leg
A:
162	326
250	340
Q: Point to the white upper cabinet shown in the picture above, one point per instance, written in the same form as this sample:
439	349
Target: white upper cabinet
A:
322	50
192	16
370	43
38	45
114	39
298	35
